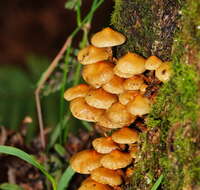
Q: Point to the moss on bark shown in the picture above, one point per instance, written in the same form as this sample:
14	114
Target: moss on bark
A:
170	30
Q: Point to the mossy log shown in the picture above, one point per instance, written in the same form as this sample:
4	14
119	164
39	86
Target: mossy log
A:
169	29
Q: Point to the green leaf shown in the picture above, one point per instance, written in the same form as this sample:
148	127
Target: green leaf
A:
65	178
158	182
72	4
60	149
8	186
28	158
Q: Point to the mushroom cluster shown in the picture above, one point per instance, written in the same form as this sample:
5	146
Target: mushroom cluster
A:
115	97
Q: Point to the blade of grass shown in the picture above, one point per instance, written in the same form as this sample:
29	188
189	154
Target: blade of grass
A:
8	186
158	182
28	158
65	178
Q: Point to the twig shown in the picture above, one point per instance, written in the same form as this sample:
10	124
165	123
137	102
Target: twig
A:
41	83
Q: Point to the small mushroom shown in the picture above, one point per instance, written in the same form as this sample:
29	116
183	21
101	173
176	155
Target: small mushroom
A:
89	184
91	54
129	172
116	160
105	122
99	98
118	113
130	64
133	149
106	176
104	145
81	110
128	96
98	73
85	161
139	106
163	72
125	135
133	83
152	63
76	92
107	38
114	86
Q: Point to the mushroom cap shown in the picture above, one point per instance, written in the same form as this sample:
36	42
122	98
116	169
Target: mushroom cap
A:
116	160
125	135
163	72
85	161
105	122
81	110
107	37
77	91
91	54
118	113
152	63
98	73
133	149
143	88
133	83
127	96
114	86
89	184
139	106
129	172
104	145
99	98
121	74
130	64
106	176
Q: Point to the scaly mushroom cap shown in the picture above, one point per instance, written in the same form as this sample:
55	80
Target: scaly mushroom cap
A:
163	72
81	110
116	160
85	161
130	64
133	149
99	98
105	122
127	96
91	54
152	63
139	106
104	145
107	38
89	184
125	135
133	83
114	86
76	92
106	176
118	113
98	74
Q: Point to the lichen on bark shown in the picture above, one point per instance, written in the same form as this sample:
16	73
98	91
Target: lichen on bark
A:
171	30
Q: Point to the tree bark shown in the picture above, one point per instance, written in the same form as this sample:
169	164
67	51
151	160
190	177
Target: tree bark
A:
169	29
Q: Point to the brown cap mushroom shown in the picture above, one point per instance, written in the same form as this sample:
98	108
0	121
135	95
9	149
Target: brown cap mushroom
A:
77	91
104	145
125	135
89	184
118	113
85	161
130	64
98	73
143	88
163	72
133	149
91	54
81	110
114	86
121	74
133	83
116	160
127	96
139	106
152	63
107	38
129	172
99	98
105	122
106	176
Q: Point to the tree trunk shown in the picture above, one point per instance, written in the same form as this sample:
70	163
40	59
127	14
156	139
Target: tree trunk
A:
169	29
